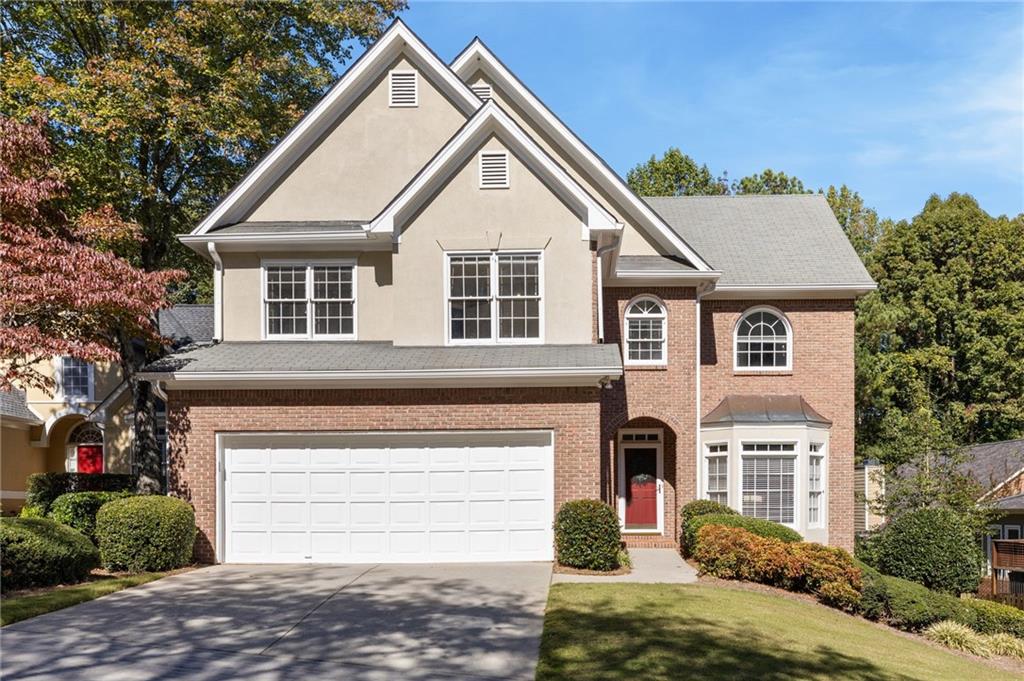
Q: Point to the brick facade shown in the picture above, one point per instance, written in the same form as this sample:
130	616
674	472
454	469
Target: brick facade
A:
823	372
195	417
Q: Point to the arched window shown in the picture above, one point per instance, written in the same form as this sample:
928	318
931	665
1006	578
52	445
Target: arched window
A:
85	449
86	433
645	332
764	341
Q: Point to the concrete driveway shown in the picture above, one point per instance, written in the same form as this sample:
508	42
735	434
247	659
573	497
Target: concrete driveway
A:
360	622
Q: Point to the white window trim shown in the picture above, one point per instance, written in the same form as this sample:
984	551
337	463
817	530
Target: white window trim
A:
621	464
727	455
480	169
58	375
735	341
823	494
494	339
799	486
415	89
664	332
309	265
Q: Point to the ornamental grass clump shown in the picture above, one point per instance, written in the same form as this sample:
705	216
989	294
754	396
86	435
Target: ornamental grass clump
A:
958	637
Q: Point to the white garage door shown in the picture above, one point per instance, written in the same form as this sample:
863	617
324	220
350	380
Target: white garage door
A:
410	497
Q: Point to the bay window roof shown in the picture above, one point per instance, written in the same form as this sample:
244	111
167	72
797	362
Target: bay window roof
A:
762	409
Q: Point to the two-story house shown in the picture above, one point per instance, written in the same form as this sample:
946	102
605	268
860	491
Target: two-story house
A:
439	315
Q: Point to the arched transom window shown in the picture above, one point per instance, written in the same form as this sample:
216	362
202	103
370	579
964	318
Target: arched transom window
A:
763	341
86	434
645	332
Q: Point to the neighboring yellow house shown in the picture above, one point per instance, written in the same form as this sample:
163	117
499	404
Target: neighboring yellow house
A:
87	424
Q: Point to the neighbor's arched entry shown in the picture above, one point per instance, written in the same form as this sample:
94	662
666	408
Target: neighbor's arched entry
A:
85	449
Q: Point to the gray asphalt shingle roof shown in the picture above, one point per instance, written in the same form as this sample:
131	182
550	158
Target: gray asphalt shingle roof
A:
765	240
764	409
285	227
993	463
14	406
335	356
187	324
651	263
1014	503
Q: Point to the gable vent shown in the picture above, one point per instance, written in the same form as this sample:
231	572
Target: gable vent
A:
493	170
482	90
404	88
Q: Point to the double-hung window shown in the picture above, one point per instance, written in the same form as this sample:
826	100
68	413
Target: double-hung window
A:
769	481
718	473
309	300
75	379
815	484
645	332
494	297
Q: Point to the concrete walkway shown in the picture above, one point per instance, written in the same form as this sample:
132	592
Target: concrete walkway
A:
650	566
276	623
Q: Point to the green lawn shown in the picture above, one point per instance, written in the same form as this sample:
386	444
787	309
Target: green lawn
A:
20	607
666	631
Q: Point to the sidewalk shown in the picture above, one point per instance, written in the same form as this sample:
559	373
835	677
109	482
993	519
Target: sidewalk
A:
650	566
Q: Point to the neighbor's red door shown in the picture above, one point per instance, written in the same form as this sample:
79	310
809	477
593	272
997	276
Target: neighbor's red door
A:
641	488
90	458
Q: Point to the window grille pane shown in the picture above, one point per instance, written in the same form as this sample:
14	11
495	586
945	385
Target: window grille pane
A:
645	335
718	478
286	283
332	282
471	319
761	341
286	318
768	486
518	296
74	377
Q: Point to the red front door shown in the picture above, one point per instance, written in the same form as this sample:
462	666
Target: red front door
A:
641	488
90	458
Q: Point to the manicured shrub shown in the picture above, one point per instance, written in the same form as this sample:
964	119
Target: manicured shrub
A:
935	547
79	509
146	533
702	507
41	552
1006	645
762	528
990	617
912	607
872	594
735	553
587	535
958	637
42	489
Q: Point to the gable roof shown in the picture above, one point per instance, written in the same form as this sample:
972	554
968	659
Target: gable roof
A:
186	324
760	241
490	119
995	463
477	55
14	407
397	39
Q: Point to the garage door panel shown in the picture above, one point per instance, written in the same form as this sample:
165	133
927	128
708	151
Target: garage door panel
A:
379	497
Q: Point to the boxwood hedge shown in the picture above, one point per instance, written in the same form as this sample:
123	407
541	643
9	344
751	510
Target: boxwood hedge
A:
42	552
79	509
587	535
146	533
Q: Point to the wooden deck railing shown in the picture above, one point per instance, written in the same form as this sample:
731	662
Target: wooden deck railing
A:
1007	557
1008	554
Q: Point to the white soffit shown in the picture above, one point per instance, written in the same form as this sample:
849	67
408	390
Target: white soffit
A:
397	39
491	119
478	56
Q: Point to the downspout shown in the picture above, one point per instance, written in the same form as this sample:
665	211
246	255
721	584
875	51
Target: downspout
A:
218	293
600	286
701	290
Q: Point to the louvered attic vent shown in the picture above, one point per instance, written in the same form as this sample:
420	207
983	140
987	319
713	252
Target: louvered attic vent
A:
493	170
482	90
404	90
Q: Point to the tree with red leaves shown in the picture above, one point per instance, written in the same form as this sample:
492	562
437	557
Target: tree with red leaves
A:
64	290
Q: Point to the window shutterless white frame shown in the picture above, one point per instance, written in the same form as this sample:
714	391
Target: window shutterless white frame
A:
717	450
799	488
736	340
60	395
661	315
495	299
402	82
625	445
310	301
494	169
816	453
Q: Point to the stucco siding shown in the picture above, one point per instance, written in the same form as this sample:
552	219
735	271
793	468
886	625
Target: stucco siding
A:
366	158
18	460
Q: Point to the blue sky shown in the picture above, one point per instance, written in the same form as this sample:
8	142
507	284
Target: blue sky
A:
898	101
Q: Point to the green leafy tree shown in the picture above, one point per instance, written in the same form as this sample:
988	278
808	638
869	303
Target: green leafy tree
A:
940	345
860	223
158	108
769	181
675	174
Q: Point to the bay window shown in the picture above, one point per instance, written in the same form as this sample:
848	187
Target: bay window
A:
769	481
718	473
815	486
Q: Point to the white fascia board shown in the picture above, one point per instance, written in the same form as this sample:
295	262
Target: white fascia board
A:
397	38
567	376
358	241
490	118
665	278
809	291
477	55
